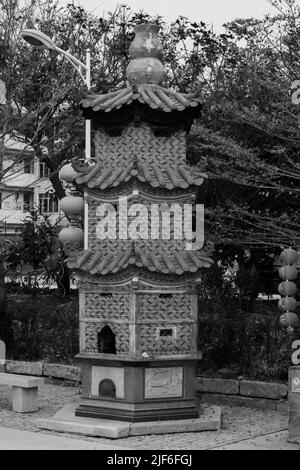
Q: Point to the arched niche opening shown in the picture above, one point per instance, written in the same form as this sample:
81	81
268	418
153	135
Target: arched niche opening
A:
106	341
107	389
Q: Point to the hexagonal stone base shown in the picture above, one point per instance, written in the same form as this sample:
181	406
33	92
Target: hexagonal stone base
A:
66	421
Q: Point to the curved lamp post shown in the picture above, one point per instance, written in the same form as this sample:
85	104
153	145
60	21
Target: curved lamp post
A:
38	39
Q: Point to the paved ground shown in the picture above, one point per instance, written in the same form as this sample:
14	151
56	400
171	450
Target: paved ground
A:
15	439
274	441
242	428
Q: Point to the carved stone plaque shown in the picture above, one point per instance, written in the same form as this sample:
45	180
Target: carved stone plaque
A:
163	382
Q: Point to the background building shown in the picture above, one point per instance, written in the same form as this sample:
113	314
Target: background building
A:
24	185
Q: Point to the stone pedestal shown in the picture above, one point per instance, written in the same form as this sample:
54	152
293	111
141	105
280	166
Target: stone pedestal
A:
138	390
66	421
25	391
294	404
25	400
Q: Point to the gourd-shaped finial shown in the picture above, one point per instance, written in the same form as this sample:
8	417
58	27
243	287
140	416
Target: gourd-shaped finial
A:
145	51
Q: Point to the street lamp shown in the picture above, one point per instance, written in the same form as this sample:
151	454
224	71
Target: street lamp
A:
38	39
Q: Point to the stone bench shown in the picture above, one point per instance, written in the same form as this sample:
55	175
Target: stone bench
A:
25	391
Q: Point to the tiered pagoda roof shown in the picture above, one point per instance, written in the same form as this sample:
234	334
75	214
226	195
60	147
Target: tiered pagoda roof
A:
147	102
180	176
155	96
179	263
144	99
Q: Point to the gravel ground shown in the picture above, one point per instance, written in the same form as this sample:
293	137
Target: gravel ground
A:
238	423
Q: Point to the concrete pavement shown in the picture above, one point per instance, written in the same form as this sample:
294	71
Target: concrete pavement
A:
274	441
242	428
16	439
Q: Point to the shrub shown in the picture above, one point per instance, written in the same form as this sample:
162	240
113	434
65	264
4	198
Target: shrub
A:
45	327
254	344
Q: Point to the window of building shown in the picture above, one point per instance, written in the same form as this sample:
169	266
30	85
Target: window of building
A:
106	341
165	296
163	332
28	166
44	170
48	202
166	332
27	197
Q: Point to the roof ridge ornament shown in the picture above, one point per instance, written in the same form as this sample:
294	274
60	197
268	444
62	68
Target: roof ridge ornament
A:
145	74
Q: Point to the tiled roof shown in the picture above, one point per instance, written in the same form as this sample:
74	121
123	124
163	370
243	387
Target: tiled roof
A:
12	216
179	263
181	176
154	96
12	143
17	217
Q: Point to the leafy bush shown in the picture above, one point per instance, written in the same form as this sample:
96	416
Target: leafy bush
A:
44	328
254	344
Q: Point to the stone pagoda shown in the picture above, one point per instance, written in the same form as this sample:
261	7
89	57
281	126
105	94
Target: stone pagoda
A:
138	295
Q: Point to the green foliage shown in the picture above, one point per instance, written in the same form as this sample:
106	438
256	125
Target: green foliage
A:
46	328
39	248
37	243
5	320
253	344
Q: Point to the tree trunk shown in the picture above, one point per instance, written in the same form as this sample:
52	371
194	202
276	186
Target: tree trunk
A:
63	280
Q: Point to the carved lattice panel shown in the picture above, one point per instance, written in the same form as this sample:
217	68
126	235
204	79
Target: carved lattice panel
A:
174	307
154	345
120	330
141	143
107	307
167	244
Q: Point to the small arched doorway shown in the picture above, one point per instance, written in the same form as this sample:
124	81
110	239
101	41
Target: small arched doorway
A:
107	389
107	341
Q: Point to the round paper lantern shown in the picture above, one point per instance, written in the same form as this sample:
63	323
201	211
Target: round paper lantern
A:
71	235
289	256
287	288
288	273
287	304
289	319
72	205
67	173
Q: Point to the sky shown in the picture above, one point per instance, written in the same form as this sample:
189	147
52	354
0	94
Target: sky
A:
213	12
